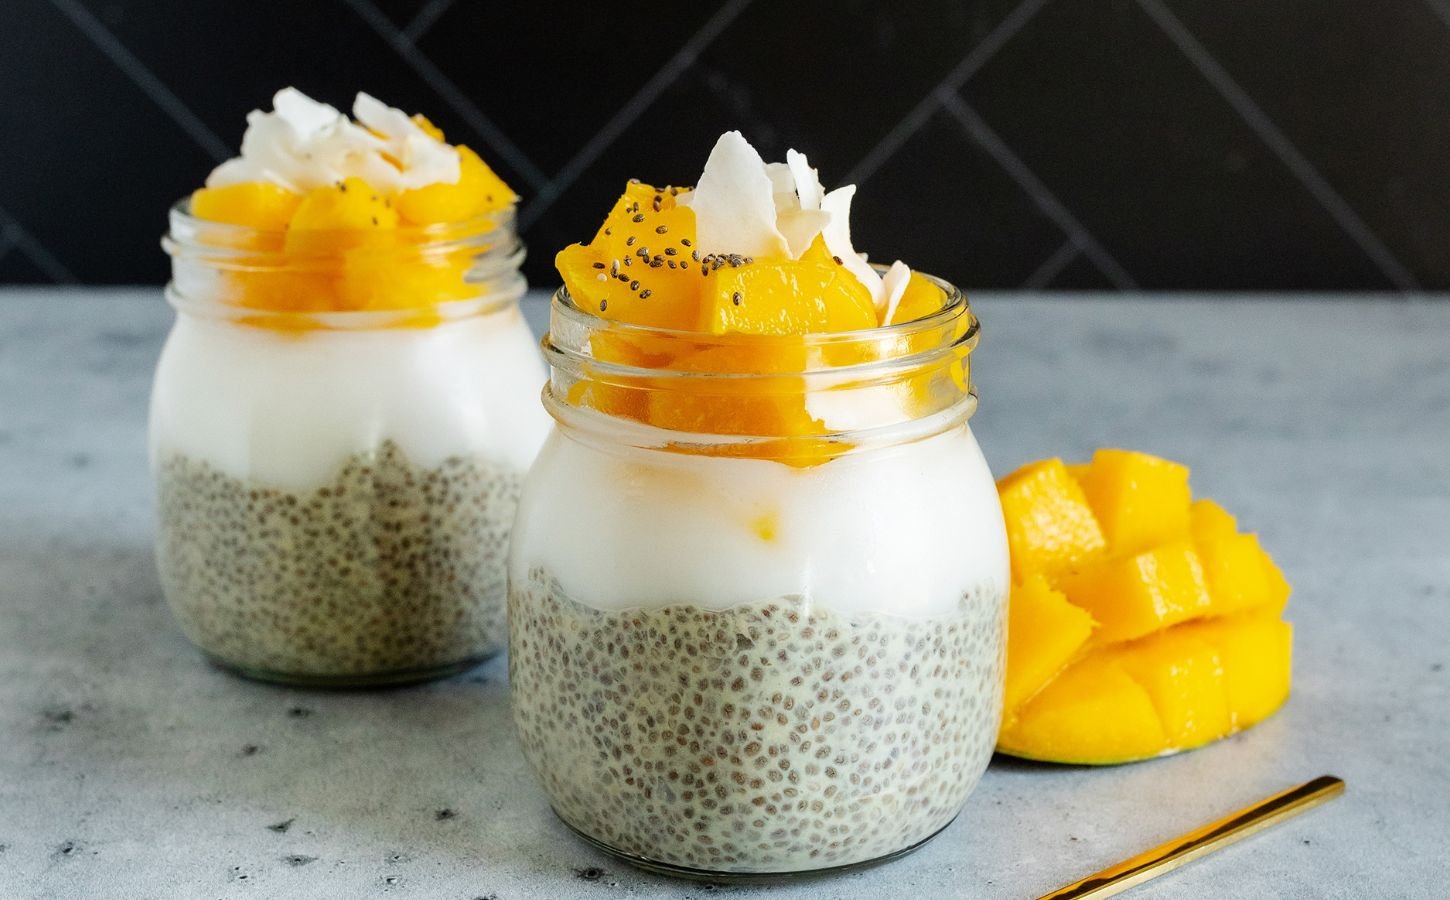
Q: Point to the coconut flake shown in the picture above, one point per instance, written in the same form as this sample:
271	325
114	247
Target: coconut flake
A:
837	234
797	194
389	123
426	161
893	286
303	144
734	202
800	227
807	181
306	117
422	160
782	184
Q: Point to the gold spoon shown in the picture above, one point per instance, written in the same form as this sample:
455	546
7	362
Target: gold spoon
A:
1202	841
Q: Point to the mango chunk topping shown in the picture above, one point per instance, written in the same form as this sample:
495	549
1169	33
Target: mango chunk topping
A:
357	244
644	267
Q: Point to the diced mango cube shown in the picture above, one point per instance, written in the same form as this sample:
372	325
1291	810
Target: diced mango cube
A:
1050	526
378	277
788	297
1133	595
1206	519
1257	653
346	214
614	275
255	204
1140	500
1184	676
1044	632
477	191
762	407
1279	589
1094	713
1240	575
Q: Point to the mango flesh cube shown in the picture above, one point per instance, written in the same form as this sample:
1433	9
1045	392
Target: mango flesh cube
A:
1206	519
1094	713
1140	500
255	204
1279	588
1238	573
1257	653
338	217
1044	632
1184	676
1050	526
477	191
790	297
1132	596
1078	470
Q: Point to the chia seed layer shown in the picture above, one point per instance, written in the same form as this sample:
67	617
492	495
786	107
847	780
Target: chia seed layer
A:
770	737
388	572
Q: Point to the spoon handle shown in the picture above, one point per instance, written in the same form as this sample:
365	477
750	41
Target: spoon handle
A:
1202	841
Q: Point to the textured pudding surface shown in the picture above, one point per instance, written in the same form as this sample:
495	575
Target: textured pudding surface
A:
769	737
388	569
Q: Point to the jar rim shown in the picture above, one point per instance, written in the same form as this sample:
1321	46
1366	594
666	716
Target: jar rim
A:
956	315
957	305
237	249
861	368
196	245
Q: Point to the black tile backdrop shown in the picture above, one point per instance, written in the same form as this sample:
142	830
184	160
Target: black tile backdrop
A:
1162	144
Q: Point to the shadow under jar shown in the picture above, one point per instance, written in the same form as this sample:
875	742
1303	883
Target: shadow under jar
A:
336	488
749	655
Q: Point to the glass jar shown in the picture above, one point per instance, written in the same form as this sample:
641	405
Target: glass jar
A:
336	488
756	654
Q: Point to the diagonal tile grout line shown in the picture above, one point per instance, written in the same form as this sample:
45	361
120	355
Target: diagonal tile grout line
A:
1051	267
1280	145
425	19
449	92
632	109
1441	9
22	240
979	131
960	74
143	78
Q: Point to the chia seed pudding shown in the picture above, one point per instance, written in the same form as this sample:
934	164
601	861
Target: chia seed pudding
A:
769	737
389	572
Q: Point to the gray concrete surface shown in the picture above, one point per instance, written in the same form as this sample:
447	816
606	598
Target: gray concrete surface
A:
130	769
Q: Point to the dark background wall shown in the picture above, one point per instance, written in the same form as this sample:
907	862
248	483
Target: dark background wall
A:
1174	144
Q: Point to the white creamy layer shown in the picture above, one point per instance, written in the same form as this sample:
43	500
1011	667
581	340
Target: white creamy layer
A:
287	409
904	530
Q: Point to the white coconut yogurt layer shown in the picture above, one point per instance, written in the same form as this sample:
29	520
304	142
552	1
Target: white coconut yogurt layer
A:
288	409
907	529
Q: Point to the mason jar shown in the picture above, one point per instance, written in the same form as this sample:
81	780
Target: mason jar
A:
756	654
335	485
